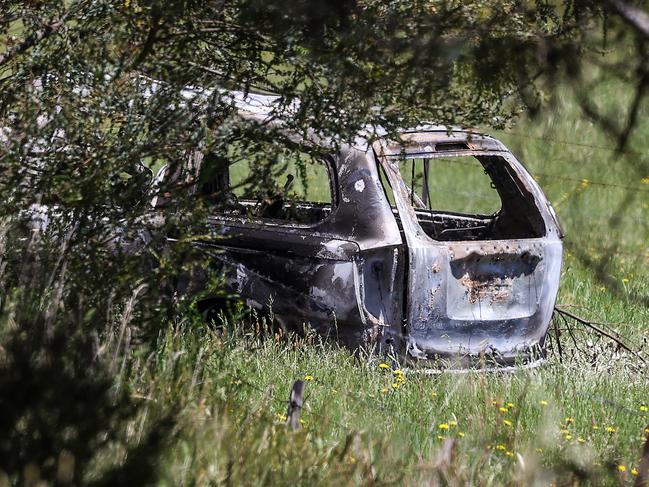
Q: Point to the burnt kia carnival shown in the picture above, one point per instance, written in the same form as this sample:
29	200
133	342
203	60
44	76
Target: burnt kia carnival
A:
436	246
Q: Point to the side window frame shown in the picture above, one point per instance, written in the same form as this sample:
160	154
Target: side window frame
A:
329	163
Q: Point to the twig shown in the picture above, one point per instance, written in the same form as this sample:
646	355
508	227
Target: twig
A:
557	334
598	330
33	39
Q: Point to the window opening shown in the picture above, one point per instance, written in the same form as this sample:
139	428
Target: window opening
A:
295	186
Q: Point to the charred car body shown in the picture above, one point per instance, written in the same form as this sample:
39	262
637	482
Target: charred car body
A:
380	262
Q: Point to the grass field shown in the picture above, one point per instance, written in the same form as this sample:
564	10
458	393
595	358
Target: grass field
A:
582	418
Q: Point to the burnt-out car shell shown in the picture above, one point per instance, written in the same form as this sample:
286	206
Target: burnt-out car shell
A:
380	272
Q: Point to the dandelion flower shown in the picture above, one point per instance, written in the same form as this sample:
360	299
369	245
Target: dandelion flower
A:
509	453
610	429
581	440
308	377
568	437
384	366
595	427
621	468
543	402
646	430
461	434
443	426
507	422
510	405
634	471
440	437
452	423
501	447
502	409
281	417
644	408
397	372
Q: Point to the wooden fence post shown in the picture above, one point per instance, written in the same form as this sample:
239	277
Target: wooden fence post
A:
295	402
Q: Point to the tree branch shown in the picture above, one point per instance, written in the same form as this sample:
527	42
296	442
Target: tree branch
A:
597	329
32	40
634	16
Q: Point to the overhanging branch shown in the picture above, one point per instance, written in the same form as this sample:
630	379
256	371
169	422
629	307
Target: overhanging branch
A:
634	16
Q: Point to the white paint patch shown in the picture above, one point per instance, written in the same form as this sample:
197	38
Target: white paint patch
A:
359	185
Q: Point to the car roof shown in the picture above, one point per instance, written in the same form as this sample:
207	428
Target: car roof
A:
261	106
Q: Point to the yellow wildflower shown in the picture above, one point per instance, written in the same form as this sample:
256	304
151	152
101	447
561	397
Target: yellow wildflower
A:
384	366
443	426
510	405
397	372
452	423
461	434
543	402
440	437
581	440
502	409
568	437
621	468
308	377
384	390
610	429
645	180
634	471
646	430
564	432
507	422
644	408
509	453
595	427
395	385
501	447
281	417
433	393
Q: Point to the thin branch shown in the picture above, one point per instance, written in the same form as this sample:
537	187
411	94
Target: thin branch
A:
598	330
633	111
32	40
